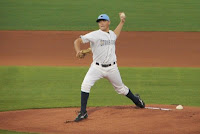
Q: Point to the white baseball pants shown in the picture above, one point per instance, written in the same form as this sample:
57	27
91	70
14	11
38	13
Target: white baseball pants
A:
111	73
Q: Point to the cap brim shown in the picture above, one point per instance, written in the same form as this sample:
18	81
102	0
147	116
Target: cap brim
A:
100	20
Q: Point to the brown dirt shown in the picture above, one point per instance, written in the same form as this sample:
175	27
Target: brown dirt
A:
105	120
135	49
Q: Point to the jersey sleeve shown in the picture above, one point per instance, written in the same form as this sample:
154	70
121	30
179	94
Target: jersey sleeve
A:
90	37
114	34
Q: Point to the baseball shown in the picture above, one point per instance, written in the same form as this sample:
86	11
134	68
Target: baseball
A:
179	107
122	15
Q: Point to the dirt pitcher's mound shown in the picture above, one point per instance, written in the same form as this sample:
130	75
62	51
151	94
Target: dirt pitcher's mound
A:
105	120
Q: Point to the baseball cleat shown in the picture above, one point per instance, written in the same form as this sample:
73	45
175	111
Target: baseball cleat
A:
81	116
141	103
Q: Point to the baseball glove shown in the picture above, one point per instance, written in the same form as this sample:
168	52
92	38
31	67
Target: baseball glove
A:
81	54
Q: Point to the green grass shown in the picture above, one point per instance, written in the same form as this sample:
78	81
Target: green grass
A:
50	87
142	15
13	132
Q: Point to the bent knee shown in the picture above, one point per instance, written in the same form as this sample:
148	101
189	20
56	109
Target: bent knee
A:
122	90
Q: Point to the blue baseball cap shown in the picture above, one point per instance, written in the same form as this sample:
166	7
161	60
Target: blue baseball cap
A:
103	17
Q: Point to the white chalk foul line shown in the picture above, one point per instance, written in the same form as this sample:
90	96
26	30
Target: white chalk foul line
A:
157	108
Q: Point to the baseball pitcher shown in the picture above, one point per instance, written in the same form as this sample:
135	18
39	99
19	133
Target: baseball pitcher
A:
104	65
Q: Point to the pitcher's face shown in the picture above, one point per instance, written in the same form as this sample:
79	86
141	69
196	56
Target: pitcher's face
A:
104	25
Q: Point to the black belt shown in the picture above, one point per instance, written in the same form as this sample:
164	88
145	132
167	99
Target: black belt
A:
105	65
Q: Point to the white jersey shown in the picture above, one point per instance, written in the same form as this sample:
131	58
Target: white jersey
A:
102	45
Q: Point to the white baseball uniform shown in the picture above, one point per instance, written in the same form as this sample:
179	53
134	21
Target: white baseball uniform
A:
104	61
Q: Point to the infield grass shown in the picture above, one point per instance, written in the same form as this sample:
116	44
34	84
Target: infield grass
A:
13	132
142	15
51	87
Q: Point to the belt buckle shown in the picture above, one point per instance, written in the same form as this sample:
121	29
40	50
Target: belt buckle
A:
106	65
